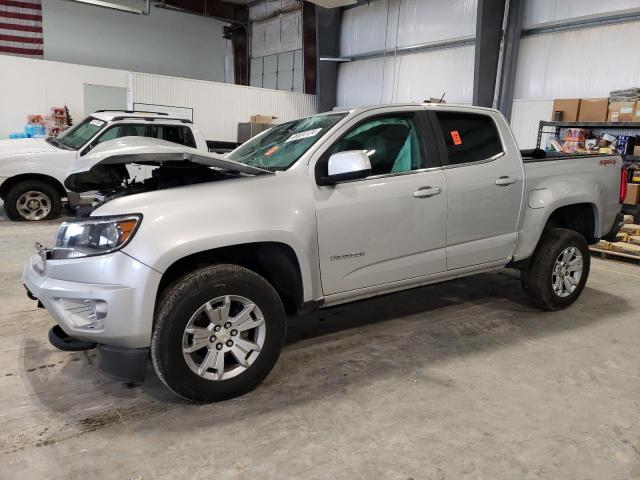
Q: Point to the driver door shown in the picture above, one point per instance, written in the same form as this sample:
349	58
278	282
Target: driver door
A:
390	226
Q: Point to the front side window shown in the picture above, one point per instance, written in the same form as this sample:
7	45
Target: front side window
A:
391	142
76	136
281	146
469	137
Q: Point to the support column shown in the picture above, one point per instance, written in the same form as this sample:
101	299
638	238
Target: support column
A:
328	34
490	16
510	50
309	47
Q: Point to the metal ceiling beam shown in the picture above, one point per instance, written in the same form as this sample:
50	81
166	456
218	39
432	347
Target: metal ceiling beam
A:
587	21
218	9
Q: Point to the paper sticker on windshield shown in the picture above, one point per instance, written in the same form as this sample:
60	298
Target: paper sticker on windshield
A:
96	123
305	134
455	136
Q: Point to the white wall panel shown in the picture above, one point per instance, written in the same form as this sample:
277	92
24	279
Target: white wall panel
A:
218	107
408	78
577	64
405	23
542	11
30	86
525	118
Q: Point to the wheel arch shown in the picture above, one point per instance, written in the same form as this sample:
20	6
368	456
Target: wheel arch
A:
580	217
12	181
276	262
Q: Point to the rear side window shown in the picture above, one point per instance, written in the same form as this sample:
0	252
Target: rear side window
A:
175	134
469	137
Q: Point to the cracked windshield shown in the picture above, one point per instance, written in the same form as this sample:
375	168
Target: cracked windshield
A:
280	147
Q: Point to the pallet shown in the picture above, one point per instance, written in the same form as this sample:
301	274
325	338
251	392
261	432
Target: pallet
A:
608	253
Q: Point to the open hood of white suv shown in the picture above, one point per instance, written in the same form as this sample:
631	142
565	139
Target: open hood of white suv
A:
104	165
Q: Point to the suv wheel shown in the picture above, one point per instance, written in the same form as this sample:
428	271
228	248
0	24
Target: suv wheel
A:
32	200
218	333
558	271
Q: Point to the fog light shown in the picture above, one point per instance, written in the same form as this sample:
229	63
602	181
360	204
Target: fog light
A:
85	312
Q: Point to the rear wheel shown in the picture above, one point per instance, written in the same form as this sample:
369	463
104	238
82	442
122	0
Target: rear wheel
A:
32	200
559	269
218	333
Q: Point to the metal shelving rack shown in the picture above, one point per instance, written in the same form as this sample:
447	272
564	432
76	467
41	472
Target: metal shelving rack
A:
557	126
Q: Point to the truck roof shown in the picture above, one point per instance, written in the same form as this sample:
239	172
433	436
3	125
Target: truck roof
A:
435	106
114	115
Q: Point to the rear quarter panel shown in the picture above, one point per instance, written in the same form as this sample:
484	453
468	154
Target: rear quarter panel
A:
552	184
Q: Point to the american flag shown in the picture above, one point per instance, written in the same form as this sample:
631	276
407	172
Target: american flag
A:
21	28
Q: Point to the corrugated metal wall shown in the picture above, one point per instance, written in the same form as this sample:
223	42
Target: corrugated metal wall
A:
409	77
219	107
276	45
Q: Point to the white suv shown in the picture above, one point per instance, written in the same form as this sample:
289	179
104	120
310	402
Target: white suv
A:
33	170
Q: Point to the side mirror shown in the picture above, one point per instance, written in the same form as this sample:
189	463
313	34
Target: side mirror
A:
349	165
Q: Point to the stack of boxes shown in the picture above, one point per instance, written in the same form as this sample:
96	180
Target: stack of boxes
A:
620	106
627	240
256	124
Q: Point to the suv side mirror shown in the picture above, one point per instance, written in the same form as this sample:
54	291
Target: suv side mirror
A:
349	165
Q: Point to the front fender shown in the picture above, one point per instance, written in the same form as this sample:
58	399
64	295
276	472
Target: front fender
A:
183	221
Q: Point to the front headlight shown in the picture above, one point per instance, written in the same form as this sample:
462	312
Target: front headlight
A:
94	236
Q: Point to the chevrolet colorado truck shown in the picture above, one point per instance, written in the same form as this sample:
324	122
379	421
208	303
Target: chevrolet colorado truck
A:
32	170
199	266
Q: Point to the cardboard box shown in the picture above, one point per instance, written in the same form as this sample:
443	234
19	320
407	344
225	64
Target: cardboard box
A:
248	130
593	110
622	112
569	108
636	150
627	248
632	198
262	119
630	228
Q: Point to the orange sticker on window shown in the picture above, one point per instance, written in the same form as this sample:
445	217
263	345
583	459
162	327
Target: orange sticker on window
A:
271	151
455	135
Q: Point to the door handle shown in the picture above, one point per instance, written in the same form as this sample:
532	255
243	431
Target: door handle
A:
426	192
504	181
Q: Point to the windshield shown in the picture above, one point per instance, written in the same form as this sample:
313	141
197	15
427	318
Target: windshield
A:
78	135
281	146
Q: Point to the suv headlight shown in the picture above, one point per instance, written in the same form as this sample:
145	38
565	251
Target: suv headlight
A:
94	236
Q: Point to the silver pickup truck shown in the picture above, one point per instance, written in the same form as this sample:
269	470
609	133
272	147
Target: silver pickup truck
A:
199	266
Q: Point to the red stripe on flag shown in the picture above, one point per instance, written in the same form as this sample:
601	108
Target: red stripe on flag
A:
18	4
18	39
21	28
21	16
24	51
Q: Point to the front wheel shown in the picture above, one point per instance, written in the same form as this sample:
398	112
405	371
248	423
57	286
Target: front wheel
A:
218	333
558	271
32	200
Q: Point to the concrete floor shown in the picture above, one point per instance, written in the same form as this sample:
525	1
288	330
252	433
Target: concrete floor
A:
458	380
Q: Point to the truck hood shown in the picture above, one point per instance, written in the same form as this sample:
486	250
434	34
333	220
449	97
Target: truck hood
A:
24	146
104	165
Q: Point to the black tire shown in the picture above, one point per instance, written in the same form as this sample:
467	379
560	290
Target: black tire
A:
44	188
537	279
180	301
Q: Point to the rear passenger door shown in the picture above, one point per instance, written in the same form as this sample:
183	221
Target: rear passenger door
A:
484	188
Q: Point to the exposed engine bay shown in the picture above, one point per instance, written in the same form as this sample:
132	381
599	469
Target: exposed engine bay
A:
114	181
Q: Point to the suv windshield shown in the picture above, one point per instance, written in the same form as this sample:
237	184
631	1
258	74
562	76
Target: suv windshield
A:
281	146
78	135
